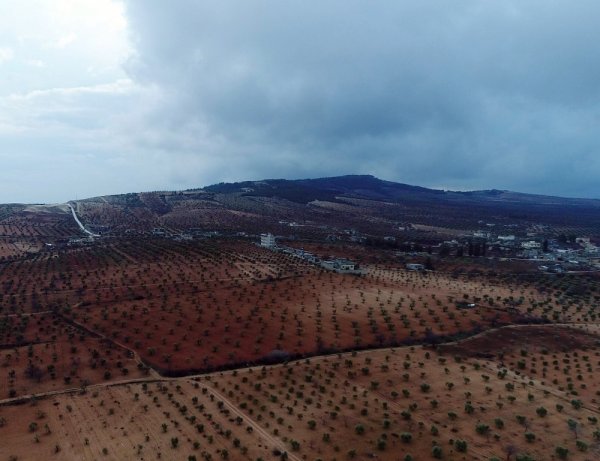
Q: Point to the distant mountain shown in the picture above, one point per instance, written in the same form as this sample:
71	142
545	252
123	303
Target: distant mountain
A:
307	190
406	203
324	205
370	187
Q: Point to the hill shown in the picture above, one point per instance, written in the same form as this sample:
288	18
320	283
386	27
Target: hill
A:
362	202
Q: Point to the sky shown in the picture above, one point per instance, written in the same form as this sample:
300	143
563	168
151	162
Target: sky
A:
101	97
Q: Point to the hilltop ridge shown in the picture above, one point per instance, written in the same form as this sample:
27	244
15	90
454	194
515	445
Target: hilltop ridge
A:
362	202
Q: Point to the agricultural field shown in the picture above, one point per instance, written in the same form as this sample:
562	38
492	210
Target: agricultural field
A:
15	248
197	306
44	352
173	335
128	269
499	395
202	305
26	232
38	225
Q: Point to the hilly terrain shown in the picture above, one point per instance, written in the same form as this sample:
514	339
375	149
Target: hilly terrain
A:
377	321
369	204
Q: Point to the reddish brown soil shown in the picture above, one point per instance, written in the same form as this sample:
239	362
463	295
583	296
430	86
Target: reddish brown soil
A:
381	404
38	225
237	323
501	341
199	305
186	306
41	353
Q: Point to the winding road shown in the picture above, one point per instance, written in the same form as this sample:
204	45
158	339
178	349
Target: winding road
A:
81	226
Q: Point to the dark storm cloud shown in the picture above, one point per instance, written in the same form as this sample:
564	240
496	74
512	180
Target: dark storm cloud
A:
463	94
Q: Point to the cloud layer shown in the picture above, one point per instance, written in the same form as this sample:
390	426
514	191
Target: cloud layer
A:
465	95
468	95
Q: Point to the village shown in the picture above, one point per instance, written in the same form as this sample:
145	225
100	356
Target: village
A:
339	265
550	253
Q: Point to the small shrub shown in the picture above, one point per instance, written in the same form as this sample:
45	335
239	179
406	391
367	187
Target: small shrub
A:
581	445
482	429
561	452
460	445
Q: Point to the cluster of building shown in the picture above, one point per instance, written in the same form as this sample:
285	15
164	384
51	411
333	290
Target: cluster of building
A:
341	265
557	254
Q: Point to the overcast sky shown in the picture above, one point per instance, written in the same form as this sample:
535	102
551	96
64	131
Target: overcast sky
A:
108	96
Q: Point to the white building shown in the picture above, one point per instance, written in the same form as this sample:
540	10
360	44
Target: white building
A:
531	245
506	238
345	265
415	267
328	264
267	241
341	265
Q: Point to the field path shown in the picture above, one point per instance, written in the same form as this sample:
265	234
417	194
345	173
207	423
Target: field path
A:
132	352
256	426
264	435
258	429
73	390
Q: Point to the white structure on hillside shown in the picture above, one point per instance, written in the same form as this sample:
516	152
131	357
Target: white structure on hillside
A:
345	265
267	241
481	234
341	265
415	267
506	238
